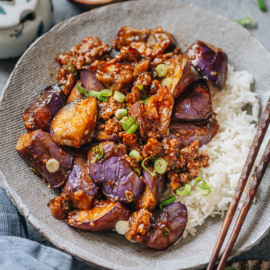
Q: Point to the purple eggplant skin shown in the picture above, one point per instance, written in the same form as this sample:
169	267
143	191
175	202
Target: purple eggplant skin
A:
41	113
89	81
188	132
195	104
119	182
80	188
37	147
168	226
209	61
102	217
154	188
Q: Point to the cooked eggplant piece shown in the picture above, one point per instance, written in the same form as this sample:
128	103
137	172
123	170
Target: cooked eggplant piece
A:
89	81
149	43
60	206
167	227
209	61
80	188
102	136
194	104
188	132
75	124
114	174
154	188
37	148
154	118
74	94
41	113
102	217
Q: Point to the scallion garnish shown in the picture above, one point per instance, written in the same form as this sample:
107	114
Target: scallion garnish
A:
122	122
119	96
136	155
184	191
246	22
166	82
120	113
137	171
205	187
168	201
160	165
35	171
98	152
143	93
161	70
165	230
133	128
152	173
262	5
71	69
128	123
144	101
101	96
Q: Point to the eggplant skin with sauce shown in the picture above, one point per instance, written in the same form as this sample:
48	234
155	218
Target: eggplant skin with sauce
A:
114	174
194	104
209	61
154	187
102	217
75	124
37	147
188	132
41	113
79	188
167	226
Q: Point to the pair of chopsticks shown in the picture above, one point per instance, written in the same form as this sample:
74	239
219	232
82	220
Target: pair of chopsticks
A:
253	152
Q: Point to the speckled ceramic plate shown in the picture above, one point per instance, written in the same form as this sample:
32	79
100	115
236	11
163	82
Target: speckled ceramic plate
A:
34	71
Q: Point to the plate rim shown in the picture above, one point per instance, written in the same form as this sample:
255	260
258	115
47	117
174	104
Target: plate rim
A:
15	198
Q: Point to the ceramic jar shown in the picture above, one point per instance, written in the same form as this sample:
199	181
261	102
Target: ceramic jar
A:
21	23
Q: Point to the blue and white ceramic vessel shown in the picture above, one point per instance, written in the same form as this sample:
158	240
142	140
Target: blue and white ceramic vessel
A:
21	22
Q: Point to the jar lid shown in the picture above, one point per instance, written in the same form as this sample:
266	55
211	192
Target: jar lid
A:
12	12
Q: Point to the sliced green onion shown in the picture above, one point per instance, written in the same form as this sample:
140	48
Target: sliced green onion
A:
184	191
71	69
120	113
262	5
144	167
165	230
133	128
52	165
35	171
122	226
160	165
246	22
211	187
119	96
98	152
123	121
167	132
162	70
136	155
106	93
82	90
129	122
143	93
144	101
168	201
96	94
205	187
166	82
137	171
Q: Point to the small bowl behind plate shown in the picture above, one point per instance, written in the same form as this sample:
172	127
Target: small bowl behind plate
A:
88	4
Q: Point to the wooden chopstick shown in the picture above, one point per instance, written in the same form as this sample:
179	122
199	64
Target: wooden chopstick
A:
246	205
253	152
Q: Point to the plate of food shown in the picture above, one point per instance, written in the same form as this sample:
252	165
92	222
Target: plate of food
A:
123	139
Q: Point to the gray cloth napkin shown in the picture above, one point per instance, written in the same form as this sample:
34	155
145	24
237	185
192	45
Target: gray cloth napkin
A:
18	252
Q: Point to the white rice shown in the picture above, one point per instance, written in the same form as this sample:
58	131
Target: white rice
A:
228	150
